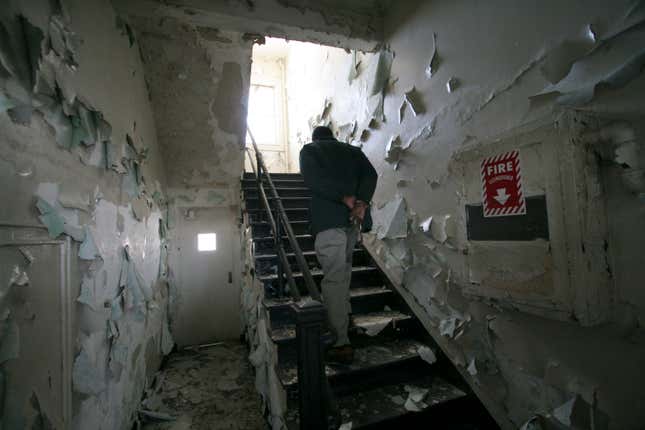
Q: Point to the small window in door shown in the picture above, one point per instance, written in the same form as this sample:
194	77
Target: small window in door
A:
206	242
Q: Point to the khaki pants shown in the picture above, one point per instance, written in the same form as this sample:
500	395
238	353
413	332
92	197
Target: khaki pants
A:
334	249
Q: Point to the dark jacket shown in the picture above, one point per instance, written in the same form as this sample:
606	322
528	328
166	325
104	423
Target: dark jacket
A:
332	170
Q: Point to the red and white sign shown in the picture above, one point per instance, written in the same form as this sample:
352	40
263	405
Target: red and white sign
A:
502	185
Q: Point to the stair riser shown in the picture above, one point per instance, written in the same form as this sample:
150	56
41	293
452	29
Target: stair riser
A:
400	371
265	265
252	192
283	315
266	246
250	176
264	230
369	385
256	215
462	413
406	328
359	279
300	202
278	183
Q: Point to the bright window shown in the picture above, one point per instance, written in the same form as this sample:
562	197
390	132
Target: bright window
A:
206	242
262	115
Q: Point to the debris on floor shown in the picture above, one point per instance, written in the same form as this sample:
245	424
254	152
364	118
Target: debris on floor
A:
204	389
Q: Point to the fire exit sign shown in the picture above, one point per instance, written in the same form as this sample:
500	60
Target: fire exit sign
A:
502	185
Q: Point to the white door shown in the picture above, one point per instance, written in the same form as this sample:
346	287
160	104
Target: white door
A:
209	301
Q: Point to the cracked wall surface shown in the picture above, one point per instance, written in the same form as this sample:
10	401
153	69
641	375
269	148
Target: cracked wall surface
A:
347	24
198	88
533	325
538	328
83	221
199	80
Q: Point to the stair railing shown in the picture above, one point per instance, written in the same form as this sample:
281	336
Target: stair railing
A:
316	402
281	221
283	262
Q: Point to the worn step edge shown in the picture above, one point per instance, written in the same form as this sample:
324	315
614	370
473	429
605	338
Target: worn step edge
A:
289	189
318	272
287	333
397	352
440	393
275	180
353	293
281	198
286	209
305	253
263	223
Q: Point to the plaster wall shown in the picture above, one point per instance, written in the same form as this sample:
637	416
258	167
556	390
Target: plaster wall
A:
348	24
498	57
105	187
320	92
199	80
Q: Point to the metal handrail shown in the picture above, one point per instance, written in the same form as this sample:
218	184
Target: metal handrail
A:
283	221
317	402
293	288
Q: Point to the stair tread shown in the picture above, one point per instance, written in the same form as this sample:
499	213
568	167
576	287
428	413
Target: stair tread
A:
290	222
286	209
372	390
354	292
363	321
282	188
371	355
291	254
281	198
386	403
295	179
297	236
317	272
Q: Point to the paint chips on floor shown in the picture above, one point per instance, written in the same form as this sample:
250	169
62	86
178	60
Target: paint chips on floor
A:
208	388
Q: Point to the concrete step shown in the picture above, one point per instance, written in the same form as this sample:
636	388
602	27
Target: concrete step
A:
381	407
363	300
293	214
371	356
295	182
263	229
276	176
317	273
362	276
252	192
264	245
287	202
266	263
398	324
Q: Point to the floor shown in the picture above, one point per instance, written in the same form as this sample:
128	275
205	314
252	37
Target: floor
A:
205	389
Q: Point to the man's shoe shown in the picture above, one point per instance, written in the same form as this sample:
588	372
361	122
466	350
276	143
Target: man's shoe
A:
341	354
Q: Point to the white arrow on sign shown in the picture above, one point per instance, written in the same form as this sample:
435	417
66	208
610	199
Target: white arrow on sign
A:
501	196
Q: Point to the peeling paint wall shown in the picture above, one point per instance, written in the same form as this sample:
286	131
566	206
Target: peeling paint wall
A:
198	79
313	74
83	189
532	325
264	352
348	24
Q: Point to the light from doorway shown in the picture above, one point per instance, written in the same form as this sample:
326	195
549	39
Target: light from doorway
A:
206	242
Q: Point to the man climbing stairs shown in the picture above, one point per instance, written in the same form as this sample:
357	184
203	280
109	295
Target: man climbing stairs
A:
399	376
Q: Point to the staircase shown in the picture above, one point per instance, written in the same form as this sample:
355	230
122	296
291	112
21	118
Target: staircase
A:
371	393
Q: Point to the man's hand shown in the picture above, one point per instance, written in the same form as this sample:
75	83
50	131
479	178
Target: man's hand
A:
349	201
358	211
